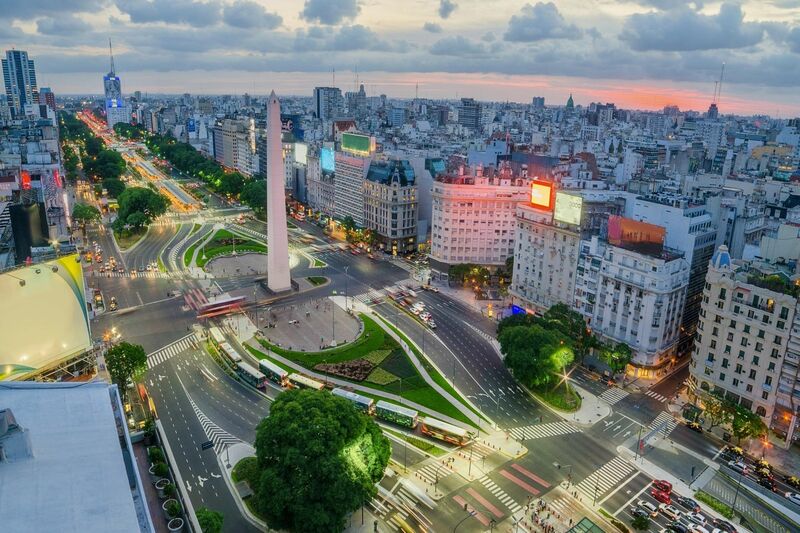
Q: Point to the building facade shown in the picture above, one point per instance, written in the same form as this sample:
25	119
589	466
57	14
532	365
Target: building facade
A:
390	205
19	77
351	171
328	102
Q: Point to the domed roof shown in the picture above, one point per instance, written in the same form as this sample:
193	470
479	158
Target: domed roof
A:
721	258
570	103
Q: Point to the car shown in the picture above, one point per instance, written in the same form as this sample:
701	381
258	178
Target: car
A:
725	526
112	304
686	503
661	496
792	481
140	269
432	324
636	513
671	512
738	466
793	497
148	268
648	507
608	380
102	269
696	518
120	270
678	527
764	473
762	464
663	485
733	452
416	310
694	426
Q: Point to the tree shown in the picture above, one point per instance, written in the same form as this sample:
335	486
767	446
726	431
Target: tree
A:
571	324
113	187
254	194
210	521
319	459
746	423
139	200
83	214
535	355
641	523
518	319
348	224
124	361
717	411
617	356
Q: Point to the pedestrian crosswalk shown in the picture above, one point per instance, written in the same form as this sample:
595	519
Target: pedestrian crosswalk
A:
431	473
613	394
540	431
605	478
131	274
657	396
664	418
500	494
221	438
369	298
180	345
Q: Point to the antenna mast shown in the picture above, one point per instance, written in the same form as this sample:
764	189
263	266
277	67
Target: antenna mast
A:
111	54
721	78
333	77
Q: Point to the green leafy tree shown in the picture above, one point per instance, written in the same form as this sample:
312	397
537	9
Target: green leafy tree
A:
535	355
124	361
746	424
641	523
83	214
210	521
147	203
231	183
717	411
319	458
571	324
254	194
518	319
113	187
348	224
616	356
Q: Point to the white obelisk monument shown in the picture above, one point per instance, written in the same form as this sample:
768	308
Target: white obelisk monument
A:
278	278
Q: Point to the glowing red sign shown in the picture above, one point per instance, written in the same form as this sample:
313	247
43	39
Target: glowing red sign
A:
57	179
542	194
26	179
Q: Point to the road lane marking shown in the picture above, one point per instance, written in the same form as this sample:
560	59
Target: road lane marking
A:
506	474
625	505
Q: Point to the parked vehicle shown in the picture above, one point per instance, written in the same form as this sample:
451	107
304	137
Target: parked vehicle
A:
662	485
661	496
686	503
724	526
671	512
697	518
793	497
694	426
112	304
738	466
648	507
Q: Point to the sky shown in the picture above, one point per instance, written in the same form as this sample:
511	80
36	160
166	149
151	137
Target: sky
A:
641	54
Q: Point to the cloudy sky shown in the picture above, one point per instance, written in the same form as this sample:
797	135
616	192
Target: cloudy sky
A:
636	53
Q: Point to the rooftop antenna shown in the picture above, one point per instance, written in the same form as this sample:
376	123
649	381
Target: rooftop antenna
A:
416	91
333	77
111	54
721	77
716	84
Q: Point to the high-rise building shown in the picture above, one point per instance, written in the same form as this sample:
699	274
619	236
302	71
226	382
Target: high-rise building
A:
116	109
352	164
537	102
357	103
235	145
469	113
47	97
328	102
19	75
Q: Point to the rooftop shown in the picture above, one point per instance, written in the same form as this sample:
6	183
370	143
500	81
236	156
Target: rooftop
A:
75	479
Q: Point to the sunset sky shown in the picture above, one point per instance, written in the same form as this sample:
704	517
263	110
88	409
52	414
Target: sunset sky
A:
636	53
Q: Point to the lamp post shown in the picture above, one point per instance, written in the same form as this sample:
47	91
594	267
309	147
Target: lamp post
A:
346	280
469	515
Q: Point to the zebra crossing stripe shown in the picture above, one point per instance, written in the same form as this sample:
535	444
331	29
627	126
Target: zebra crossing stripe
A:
159	356
657	396
613	395
221	438
606	477
540	431
500	494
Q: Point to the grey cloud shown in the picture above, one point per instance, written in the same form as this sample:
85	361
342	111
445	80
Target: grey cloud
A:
432	27
539	22
457	46
446	8
684	29
344	39
248	14
330	12
28	9
793	38
666	5
191	12
63	25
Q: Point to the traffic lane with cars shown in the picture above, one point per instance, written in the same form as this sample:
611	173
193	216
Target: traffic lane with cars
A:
659	519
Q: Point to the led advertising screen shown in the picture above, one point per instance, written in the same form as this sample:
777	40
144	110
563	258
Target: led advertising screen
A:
542	194
357	144
568	208
635	235
326	160
301	153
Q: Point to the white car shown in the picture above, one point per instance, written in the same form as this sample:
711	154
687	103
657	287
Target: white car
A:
793	496
697	518
671	512
649	507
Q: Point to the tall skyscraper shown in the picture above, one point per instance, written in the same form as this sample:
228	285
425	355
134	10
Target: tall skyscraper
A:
328	102
19	75
46	96
116	109
469	113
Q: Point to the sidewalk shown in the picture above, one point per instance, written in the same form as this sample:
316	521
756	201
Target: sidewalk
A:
591	411
467	297
153	501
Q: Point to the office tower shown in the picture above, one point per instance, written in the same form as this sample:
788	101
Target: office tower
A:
19	75
357	103
537	102
469	113
47	97
278	276
352	164
327	102
116	109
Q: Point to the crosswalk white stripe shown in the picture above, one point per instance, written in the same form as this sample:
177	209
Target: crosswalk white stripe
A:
613	395
500	494
538	431
606	477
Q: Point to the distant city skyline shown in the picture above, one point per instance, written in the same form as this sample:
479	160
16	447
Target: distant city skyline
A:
640	54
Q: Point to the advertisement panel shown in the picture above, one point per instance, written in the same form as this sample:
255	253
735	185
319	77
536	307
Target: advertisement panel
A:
326	160
356	143
542	194
301	153
636	235
568	208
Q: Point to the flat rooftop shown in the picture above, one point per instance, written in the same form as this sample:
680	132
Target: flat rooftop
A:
76	480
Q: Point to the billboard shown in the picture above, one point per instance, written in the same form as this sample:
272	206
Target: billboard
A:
191	126
568	208
542	194
635	235
327	161
357	144
49	297
301	153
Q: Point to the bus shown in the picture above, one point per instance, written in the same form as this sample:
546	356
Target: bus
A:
397	414
221	306
303	382
216	336
251	376
444	431
274	372
229	353
362	403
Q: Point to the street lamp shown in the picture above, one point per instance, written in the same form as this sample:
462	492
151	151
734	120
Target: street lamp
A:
346	280
470	515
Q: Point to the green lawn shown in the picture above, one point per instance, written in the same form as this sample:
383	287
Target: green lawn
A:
409	385
561	397
211	253
195	228
187	256
423	445
319	263
126	238
220	245
317	280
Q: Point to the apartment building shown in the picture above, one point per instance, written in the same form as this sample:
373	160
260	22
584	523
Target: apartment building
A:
390	205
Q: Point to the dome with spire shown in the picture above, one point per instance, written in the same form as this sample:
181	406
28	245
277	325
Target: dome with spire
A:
570	103
721	258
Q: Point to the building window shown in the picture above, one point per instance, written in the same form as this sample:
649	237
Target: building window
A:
752	374
784	313
735	382
755	360
760	411
768	380
749	388
747	328
774	353
761	334
722	377
778	340
724	363
771	367
738	368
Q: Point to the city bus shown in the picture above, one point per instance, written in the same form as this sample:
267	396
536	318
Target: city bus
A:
274	372
221	306
230	353
444	431
397	414
251	376
215	336
362	403
303	382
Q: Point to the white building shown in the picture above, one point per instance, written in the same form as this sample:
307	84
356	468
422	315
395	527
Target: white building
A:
473	218
351	171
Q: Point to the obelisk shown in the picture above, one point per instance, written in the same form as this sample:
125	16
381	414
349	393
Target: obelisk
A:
278	278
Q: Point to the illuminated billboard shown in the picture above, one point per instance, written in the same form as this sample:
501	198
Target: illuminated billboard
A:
47	297
327	161
568	208
635	235
301	153
357	144
542	194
